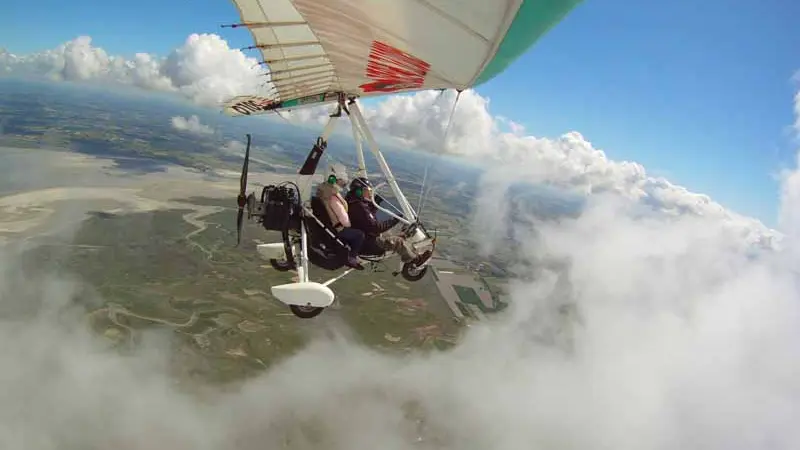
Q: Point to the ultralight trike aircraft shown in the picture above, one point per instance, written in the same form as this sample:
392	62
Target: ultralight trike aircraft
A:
336	51
308	235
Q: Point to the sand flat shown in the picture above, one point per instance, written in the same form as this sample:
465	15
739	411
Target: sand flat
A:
26	213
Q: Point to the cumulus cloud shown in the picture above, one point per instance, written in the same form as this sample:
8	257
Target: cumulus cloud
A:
789	219
316	115
234	147
427	121
796	79
192	125
204	69
569	162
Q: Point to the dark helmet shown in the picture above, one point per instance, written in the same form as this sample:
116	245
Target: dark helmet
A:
359	183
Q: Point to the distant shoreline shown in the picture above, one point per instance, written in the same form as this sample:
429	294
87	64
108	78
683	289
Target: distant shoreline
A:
99	186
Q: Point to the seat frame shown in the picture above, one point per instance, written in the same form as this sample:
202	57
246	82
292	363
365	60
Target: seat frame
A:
319	214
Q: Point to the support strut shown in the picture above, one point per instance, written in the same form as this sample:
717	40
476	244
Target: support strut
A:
355	115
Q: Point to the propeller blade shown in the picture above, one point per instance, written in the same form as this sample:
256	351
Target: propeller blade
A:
239	216
241	199
243	179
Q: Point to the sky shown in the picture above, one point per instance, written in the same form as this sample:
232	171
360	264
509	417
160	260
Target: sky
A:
698	91
698	94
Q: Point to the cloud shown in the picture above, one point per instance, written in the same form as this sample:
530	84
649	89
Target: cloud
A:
789	216
796	80
192	125
569	162
427	121
315	115
233	147
204	69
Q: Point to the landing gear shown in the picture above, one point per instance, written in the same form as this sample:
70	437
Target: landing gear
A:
412	272
281	265
305	312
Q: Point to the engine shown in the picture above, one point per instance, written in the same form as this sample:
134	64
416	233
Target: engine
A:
279	208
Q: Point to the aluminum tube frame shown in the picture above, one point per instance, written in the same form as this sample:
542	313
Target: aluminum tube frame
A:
408	211
358	138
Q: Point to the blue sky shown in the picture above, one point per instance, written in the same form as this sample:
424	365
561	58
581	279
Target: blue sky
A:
699	92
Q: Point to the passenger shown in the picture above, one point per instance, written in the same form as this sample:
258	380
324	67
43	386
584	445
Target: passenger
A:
336	207
362	212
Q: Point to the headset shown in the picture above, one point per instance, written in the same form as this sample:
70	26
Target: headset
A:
332	179
359	188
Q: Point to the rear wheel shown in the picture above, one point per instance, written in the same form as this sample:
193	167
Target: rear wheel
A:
305	312
281	265
412	272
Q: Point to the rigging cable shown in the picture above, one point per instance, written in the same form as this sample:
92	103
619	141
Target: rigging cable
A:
424	196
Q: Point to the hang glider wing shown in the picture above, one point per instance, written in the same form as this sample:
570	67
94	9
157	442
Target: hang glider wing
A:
317	49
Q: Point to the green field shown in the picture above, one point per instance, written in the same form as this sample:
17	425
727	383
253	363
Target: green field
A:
214	298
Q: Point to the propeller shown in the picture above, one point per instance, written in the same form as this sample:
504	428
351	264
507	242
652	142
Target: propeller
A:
242	198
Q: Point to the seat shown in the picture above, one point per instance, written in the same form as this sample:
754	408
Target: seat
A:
318	208
323	236
327	251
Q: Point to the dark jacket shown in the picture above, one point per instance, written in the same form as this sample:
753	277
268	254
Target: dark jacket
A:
362	216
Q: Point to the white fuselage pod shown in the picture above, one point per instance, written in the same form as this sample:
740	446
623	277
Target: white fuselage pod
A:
307	293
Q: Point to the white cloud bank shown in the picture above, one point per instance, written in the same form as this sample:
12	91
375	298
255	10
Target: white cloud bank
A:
192	125
206	70
570	162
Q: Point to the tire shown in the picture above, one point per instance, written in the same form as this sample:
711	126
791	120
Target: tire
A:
281	266
306	312
412	273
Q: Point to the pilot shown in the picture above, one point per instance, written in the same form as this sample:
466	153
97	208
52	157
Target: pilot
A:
362	209
336	206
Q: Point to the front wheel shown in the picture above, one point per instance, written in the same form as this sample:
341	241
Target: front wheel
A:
281	265
305	312
412	272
